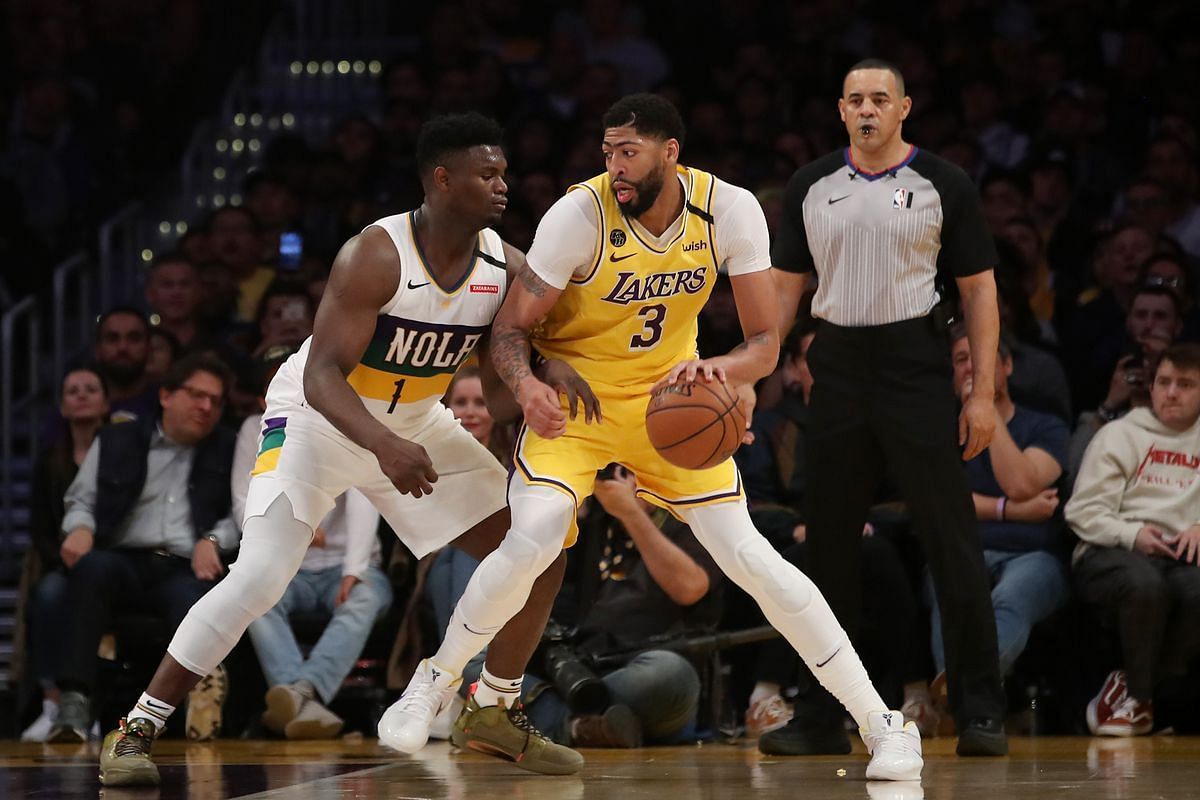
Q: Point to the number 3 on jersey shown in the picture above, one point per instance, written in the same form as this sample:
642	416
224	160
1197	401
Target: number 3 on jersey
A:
652	319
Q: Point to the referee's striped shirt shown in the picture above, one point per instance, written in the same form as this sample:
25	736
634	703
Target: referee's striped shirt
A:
877	240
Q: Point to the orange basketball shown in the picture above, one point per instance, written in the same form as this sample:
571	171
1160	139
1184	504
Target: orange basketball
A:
695	425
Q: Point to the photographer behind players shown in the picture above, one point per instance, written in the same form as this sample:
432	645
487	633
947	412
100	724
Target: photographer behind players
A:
640	575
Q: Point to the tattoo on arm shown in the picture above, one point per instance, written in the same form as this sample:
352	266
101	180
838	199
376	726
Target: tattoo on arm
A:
532	283
510	355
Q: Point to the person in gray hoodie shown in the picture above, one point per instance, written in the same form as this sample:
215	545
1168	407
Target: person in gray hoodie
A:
1136	510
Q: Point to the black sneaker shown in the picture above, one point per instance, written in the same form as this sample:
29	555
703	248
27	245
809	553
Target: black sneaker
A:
983	737
816	729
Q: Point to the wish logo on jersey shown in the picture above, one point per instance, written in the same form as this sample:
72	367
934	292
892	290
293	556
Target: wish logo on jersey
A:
423	355
631	289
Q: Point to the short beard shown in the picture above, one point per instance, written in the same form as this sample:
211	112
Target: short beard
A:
123	375
647	191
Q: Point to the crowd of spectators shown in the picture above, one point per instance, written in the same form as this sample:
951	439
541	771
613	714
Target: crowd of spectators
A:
1075	124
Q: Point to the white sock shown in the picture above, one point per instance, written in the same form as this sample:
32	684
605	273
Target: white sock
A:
789	600
490	690
763	690
153	709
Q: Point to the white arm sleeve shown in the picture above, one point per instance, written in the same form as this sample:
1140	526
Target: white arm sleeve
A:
743	240
565	242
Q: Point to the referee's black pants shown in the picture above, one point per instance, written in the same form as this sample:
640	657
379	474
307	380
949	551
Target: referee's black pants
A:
883	397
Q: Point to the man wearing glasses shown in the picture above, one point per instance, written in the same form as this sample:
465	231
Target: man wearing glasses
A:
146	519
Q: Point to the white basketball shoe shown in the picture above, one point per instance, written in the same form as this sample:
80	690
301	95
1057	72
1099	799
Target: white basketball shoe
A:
894	745
406	724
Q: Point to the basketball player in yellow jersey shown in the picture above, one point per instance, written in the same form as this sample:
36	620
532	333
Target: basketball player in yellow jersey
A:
617	274
408	300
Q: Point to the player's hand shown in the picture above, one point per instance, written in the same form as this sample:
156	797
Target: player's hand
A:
707	368
562	377
77	545
348	583
206	561
1152	541
617	494
976	425
540	405
1187	546
1038	508
747	400
406	465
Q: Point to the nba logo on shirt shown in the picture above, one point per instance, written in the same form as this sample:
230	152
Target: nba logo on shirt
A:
902	198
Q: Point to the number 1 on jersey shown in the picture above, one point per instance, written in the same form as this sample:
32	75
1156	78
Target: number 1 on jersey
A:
652	331
396	395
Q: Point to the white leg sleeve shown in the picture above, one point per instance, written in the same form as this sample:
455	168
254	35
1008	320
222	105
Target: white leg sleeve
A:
790	601
541	517
273	545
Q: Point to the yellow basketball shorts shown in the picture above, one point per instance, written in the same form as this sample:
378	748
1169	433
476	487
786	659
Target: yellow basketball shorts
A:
569	462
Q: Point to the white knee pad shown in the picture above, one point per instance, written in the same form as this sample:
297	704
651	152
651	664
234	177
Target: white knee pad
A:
541	517
748	559
273	545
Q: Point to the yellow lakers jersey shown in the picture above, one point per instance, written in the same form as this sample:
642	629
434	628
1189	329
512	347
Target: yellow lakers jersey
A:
632	316
424	333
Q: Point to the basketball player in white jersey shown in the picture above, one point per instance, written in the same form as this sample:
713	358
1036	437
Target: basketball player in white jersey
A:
409	299
618	272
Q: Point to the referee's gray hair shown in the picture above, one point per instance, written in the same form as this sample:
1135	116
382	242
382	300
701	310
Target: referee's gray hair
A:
878	63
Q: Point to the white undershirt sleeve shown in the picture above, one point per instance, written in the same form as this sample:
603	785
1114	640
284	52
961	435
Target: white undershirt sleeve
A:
743	240
565	242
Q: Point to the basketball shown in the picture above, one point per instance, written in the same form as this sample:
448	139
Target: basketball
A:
695	425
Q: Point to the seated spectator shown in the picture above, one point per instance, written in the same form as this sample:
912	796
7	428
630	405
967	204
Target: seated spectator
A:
773	473
1172	162
464	397
1155	319
340	576
173	294
285	316
644	575
1152	326
161	352
1171	272
1135	509
1013	488
233	236
122	349
146	519
84	408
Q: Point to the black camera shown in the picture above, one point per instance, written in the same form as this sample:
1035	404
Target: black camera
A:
570	674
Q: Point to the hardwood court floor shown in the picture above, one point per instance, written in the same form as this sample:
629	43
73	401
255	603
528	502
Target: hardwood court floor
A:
1061	768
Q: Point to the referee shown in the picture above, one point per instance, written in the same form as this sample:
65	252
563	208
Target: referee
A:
876	222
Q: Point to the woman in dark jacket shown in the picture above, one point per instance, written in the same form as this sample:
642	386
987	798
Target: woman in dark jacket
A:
84	408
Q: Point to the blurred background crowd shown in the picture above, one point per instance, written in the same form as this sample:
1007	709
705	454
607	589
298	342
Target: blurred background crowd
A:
1076	121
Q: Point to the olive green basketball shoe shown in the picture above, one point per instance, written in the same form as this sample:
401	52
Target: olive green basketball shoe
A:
508	734
125	755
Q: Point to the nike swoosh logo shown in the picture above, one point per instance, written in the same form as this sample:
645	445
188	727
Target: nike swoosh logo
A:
412	285
153	704
833	200
613	258
826	661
